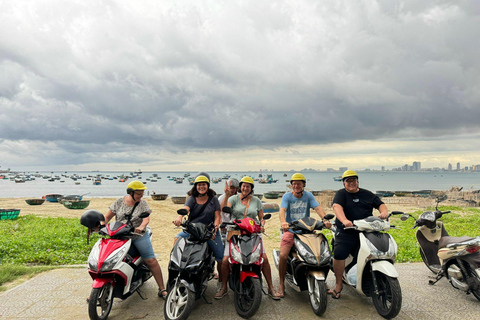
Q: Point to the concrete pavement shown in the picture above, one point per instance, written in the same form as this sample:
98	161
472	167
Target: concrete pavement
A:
62	293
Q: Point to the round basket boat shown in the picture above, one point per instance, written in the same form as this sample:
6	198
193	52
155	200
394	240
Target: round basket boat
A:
73	197
9	213
316	193
271	195
179	200
35	202
270	207
258	195
53	197
81	204
159	196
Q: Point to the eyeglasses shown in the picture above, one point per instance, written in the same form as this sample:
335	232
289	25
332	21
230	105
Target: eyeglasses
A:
351	180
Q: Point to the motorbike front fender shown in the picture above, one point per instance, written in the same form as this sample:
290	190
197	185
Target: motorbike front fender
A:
385	267
318	275
245	274
187	284
100	282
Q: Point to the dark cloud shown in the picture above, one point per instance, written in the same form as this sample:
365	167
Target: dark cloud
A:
90	78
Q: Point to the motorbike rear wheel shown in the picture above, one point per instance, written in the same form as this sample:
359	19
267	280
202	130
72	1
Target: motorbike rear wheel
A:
100	302
388	299
179	303
317	292
248	300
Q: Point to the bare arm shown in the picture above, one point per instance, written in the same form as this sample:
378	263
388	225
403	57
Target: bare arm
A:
283	219
179	219
321	214
340	215
383	211
109	216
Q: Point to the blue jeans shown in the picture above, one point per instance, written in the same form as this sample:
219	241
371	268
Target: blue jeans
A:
215	245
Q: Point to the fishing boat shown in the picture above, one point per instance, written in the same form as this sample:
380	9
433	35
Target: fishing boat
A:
9	214
179	200
337	178
159	196
35	202
53	197
385	194
271	195
270	207
97	182
79	204
258	195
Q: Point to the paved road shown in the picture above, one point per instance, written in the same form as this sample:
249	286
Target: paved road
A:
61	294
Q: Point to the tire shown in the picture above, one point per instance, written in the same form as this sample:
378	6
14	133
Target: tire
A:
467	273
248	301
179	303
388	299
100	302
317	292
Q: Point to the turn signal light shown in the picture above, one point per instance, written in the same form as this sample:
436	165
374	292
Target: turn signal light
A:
472	249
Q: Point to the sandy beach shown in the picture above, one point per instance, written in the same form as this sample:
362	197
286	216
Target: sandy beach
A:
164	212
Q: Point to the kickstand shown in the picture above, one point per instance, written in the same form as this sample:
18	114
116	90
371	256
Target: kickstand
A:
205	298
140	294
437	278
263	290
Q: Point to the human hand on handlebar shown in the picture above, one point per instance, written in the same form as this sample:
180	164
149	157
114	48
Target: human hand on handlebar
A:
327	224
285	225
177	222
383	215
348	223
139	230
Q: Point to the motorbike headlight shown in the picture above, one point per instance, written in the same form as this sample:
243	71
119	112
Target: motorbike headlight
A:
390	254
325	255
236	254
93	258
305	252
114	257
256	254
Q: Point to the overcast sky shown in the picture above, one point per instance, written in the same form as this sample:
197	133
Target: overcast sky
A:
238	85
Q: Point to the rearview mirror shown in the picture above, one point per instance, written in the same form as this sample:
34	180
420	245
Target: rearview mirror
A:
397	212
329	216
267	216
182	212
144	215
227	210
404	217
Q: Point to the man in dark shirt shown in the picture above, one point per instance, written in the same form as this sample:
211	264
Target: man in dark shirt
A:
349	204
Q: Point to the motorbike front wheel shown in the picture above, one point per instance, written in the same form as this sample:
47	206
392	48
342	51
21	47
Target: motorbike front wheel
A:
179	303
248	300
317	292
388	299
100	302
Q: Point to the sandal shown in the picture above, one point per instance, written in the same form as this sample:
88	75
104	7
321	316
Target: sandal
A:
280	294
274	295
221	293
335	294
161	295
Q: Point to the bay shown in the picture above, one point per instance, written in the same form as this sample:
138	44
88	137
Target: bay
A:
391	181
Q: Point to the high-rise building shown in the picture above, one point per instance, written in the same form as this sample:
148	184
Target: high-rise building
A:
417	166
449	167
458	166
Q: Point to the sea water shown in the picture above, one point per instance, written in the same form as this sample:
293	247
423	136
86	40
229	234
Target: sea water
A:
317	181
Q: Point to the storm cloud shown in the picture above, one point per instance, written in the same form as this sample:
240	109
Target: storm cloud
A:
99	81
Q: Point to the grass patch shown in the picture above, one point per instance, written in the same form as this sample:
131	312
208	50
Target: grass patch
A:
11	272
43	241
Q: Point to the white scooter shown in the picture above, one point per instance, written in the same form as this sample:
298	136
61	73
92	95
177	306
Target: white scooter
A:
372	272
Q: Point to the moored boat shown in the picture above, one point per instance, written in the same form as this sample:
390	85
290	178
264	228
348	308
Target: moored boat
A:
34	202
53	197
159	196
9	213
179	199
79	204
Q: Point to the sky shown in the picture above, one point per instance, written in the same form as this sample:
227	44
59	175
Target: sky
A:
238	85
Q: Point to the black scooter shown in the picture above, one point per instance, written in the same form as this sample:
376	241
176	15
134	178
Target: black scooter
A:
457	258
191	267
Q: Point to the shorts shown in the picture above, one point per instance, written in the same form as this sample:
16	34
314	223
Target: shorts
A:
144	245
226	253
345	244
215	245
287	239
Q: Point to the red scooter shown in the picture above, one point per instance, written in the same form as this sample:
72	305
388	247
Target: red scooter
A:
116	267
246	250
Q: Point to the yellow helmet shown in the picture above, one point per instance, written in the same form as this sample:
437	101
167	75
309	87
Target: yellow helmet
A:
202	178
135	185
247	179
298	177
349	174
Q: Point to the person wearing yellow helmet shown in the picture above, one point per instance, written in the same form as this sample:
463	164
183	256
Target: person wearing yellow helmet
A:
295	205
349	204
203	207
243	204
133	204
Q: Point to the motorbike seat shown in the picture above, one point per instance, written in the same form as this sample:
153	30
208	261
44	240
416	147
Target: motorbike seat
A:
444	241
